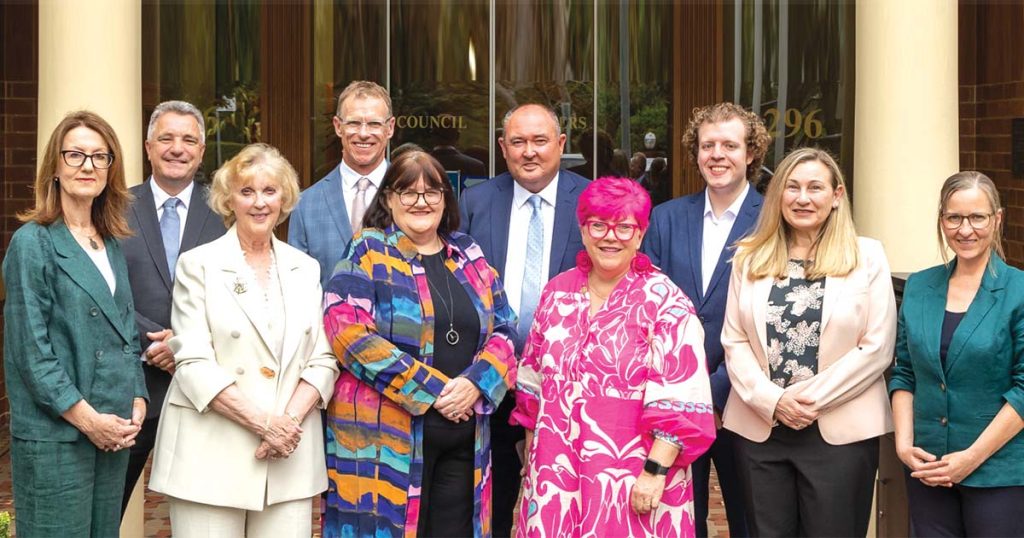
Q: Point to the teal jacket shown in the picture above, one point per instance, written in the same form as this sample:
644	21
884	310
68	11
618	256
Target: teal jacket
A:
65	336
984	366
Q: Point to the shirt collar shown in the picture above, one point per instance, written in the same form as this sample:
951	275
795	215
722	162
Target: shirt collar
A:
160	196
733	209
520	195
350	177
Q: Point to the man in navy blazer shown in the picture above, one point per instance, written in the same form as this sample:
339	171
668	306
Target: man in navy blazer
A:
497	214
690	240
175	141
331	211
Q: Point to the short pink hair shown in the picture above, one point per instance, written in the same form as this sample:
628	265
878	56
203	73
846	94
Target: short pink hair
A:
614	198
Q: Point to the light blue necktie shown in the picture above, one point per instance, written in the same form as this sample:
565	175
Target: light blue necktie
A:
532	274
170	230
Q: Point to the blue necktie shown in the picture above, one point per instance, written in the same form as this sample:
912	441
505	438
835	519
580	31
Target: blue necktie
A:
532	273
170	230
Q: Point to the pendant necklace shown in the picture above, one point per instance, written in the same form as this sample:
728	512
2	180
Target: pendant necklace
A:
452	336
92	242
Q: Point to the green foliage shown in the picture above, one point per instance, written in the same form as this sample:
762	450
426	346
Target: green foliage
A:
5	524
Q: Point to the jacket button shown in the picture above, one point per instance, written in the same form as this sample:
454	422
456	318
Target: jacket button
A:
268	373
127	348
307	330
239	370
943	421
942	387
99	353
235	334
701	318
94	311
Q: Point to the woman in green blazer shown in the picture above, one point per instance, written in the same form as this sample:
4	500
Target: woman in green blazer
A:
958	385
71	352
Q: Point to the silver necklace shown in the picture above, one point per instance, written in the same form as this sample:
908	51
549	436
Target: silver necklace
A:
452	336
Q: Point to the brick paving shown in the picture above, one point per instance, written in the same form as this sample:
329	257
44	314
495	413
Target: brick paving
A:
158	525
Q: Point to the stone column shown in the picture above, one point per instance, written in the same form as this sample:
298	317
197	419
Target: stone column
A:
90	56
907	124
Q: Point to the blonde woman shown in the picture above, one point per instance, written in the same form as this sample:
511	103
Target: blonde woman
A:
810	326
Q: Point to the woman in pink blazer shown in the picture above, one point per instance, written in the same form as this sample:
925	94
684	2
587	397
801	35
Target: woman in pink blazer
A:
810	326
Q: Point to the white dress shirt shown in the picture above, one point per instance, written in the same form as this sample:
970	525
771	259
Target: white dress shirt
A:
716	233
160	196
350	177
518	228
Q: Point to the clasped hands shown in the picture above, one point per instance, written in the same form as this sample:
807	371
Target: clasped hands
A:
795	411
111	433
280	437
457	399
951	469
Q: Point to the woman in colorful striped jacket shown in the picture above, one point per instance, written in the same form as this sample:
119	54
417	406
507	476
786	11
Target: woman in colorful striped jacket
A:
421	325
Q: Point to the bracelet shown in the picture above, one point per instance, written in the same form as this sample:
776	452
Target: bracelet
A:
294	418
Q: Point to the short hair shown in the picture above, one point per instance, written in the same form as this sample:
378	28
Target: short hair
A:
110	207
403	173
962	181
362	89
614	198
551	112
764	253
254	159
758	139
178	107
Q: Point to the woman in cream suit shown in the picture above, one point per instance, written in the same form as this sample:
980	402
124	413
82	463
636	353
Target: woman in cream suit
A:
240	448
809	328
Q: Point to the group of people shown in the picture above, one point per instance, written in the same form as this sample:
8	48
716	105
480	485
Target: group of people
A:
423	358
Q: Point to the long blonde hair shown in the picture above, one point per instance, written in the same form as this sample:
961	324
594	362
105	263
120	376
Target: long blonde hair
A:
765	252
962	181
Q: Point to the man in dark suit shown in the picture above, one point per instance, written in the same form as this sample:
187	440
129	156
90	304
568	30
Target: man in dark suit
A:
169	216
331	211
690	239
525	222
446	138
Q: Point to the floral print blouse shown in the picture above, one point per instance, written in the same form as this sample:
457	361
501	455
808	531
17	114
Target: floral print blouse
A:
794	326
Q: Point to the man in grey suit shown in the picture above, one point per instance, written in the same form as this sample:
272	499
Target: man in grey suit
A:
331	211
169	216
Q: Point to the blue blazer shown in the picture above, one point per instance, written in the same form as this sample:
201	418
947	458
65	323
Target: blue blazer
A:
319	225
673	243
984	366
486	209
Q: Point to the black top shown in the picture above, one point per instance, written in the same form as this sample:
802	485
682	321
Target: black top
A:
949	324
453	310
794	326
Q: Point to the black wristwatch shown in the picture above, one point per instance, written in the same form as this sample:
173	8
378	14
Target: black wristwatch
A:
655	468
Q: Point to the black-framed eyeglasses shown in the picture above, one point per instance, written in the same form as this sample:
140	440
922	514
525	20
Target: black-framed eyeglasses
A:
411	198
353	126
953	221
599	230
77	158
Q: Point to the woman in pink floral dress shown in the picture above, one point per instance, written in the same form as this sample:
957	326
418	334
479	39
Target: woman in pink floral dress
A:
612	389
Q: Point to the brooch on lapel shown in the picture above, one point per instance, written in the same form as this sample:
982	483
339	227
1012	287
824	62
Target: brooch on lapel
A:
240	286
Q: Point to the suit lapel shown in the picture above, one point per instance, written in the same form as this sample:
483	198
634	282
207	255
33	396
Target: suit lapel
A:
291	289
762	288
245	293
835	286
335	201
198	214
499	219
79	268
982	304
695	234
149	227
932	311
565	218
743	224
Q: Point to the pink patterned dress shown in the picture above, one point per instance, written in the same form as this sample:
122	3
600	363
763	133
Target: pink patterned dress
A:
596	392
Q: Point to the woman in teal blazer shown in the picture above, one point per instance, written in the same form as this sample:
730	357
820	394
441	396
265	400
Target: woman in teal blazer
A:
958	384
71	352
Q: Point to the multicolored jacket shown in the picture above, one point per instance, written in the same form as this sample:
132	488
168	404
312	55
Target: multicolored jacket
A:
379	317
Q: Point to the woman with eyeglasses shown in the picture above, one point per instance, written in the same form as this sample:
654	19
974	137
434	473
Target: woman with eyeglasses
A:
71	352
612	388
421	326
958	385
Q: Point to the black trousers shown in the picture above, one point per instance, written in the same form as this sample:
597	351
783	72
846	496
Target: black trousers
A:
137	456
796	484
446	499
964	510
505	467
723	454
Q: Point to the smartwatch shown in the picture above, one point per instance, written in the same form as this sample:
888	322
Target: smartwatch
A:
655	468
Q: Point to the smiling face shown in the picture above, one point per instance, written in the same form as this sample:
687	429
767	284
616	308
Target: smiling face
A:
175	150
968	242
364	127
808	197
256	202
85	182
610	255
420	220
532	147
722	155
